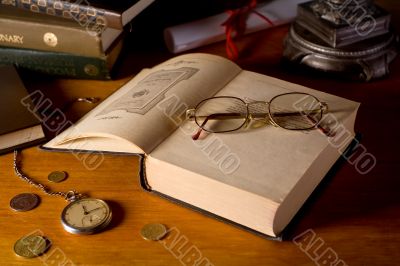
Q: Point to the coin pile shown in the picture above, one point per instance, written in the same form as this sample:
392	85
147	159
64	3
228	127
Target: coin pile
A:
31	246
24	202
153	231
57	176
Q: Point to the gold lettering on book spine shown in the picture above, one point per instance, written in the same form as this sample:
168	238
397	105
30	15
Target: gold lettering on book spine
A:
34	8
42	3
91	12
9	2
15	39
83	18
66	14
58	5
74	8
50	11
101	20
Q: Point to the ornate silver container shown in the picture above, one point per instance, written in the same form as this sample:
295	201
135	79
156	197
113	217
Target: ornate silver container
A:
350	37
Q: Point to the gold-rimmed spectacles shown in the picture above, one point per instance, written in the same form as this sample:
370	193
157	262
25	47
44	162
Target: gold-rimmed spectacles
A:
292	111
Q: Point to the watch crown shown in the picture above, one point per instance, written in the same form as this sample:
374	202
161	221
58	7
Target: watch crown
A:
72	196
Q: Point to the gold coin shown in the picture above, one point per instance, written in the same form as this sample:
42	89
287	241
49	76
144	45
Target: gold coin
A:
57	176
153	231
31	246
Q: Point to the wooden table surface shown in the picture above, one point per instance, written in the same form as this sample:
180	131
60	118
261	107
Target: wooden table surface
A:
352	216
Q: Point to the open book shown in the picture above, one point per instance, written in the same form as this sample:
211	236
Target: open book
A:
258	177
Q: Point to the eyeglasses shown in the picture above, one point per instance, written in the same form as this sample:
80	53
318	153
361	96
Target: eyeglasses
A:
292	111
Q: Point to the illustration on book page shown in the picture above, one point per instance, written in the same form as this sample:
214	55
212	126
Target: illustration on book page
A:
149	91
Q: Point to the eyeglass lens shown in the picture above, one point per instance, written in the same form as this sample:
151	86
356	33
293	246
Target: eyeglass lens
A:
295	111
221	114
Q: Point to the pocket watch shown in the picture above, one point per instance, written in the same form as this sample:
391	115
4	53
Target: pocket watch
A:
86	216
82	215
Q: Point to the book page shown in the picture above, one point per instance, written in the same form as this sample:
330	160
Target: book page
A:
153	104
262	159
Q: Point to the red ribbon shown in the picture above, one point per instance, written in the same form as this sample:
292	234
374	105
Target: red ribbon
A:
235	26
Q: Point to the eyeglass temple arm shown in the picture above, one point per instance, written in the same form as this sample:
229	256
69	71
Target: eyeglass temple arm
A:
190	114
212	116
326	130
197	134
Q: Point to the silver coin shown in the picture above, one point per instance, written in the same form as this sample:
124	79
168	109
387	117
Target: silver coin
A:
24	202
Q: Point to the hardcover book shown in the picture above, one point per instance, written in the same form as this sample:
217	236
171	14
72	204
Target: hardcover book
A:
63	64
115	14
19	127
258	177
22	29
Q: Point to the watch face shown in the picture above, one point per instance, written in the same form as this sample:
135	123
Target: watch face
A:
86	216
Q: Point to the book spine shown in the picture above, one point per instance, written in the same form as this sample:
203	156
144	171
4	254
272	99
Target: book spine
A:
57	64
80	11
49	37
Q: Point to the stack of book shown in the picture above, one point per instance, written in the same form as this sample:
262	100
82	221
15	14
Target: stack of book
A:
65	38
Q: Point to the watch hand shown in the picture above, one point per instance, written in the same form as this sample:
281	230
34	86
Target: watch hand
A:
94	209
85	211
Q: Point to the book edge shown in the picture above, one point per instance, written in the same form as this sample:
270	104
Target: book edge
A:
28	144
146	187
282	235
290	227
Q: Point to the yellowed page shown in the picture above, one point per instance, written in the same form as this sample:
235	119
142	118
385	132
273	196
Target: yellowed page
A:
152	105
267	161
